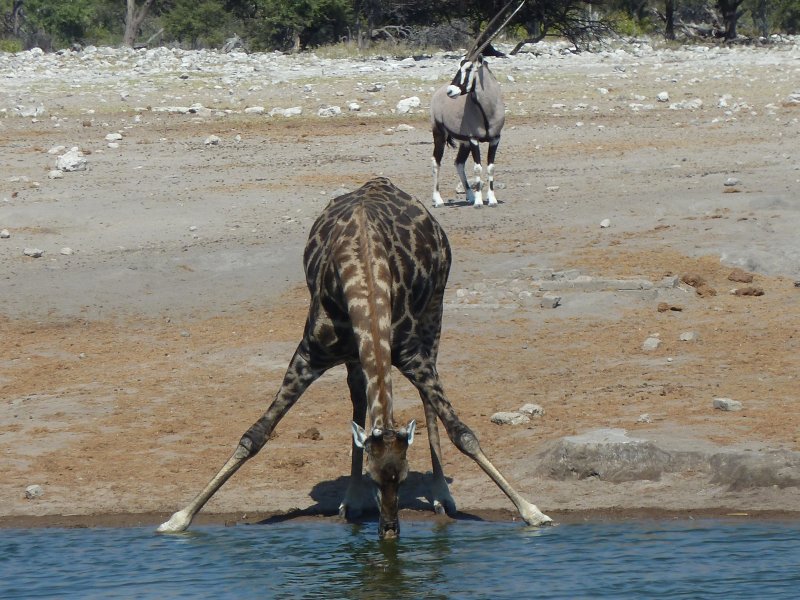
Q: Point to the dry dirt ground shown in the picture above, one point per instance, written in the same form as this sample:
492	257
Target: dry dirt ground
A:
129	368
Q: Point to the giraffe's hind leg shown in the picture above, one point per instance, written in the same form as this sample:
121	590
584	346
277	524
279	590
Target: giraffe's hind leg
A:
359	492
427	382
298	377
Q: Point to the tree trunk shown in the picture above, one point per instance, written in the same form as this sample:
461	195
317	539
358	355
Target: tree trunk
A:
133	20
729	10
761	19
669	8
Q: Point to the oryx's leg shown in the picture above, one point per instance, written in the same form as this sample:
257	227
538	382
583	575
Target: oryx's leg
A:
461	161
440	494
439	140
490	172
298	377
358	495
478	170
426	379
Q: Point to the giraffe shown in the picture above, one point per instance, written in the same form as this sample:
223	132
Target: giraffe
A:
376	266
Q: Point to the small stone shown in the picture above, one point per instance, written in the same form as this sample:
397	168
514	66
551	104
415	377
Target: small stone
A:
548	301
605	223
727	404
533	410
5	234
34	491
651	343
354	107
55	174
66	251
663	97
312	433
748	290
644	418
113	137
72	160
254	110
740	276
689	336
731	181
33	252
406	104
212	140
329	111
510	418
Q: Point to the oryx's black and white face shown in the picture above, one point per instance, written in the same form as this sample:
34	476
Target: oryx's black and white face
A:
464	81
387	466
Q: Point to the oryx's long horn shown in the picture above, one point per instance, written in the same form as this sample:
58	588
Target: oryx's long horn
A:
494	27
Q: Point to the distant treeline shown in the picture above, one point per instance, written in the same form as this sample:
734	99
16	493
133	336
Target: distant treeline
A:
302	24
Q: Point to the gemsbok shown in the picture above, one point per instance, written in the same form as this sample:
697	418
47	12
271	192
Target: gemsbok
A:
470	111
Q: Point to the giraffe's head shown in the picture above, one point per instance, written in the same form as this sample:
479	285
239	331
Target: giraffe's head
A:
387	466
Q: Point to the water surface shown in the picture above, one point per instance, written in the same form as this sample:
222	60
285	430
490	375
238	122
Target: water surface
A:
640	559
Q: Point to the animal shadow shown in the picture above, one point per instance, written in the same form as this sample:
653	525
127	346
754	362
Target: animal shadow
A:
414	496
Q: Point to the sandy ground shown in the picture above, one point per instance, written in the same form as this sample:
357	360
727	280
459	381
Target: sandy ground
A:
129	368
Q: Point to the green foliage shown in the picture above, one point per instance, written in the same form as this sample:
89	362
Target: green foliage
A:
64	21
288	24
628	25
785	16
284	23
197	23
8	45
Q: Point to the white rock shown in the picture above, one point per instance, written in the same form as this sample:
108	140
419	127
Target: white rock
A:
651	343
33	252
510	418
550	301
66	251
212	140
29	111
534	410
34	491
662	97
329	111
4	234
404	127
72	160
689	336
354	107
727	404
254	110
55	174
605	223
731	181
406	104
644	418
56	149
113	137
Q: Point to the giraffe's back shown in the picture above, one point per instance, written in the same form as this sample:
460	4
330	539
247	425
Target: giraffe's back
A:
410	254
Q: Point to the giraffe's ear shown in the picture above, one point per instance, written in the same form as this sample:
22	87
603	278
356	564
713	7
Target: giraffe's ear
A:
411	428
359	435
